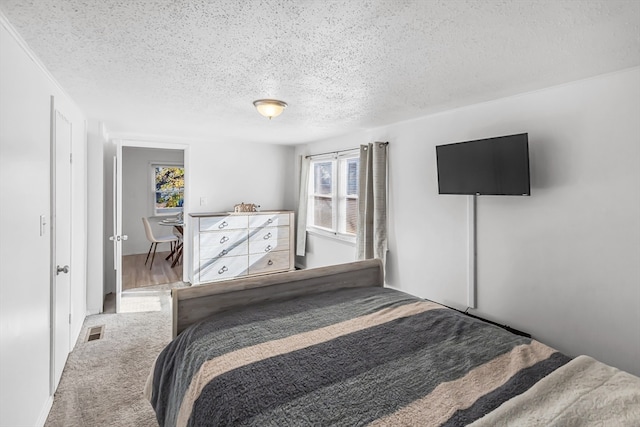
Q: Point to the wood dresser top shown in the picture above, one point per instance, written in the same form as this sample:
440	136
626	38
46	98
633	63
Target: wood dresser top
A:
204	214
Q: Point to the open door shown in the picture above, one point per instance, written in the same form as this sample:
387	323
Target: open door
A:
118	237
60	243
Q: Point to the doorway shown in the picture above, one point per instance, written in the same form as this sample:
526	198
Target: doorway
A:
135	199
153	188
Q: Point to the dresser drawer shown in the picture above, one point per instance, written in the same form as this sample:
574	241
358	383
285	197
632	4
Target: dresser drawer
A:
229	249
269	233
223	268
214	242
268	220
228	222
271	245
265	263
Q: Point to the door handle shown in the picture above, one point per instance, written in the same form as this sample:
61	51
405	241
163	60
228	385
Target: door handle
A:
64	269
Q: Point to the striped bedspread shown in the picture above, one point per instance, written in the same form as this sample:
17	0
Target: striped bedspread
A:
369	356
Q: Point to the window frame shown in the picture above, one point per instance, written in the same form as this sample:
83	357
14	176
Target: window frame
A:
338	195
152	178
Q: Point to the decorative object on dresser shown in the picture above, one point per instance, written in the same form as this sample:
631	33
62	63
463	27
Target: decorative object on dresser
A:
240	244
245	207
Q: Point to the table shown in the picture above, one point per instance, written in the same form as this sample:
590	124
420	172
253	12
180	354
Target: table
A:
177	225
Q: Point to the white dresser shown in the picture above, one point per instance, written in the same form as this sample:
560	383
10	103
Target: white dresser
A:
230	245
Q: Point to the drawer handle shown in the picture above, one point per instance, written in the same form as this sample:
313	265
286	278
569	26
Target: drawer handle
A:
223	253
223	269
223	224
270	262
268	236
268	248
224	239
269	221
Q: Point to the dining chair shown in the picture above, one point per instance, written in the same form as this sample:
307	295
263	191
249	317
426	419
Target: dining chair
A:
171	239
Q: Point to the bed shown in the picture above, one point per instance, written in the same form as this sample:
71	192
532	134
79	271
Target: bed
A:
332	346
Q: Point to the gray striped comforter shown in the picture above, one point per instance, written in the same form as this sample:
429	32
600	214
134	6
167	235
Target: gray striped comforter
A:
355	357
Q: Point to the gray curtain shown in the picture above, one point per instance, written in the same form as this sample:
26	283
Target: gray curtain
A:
301	231
371	240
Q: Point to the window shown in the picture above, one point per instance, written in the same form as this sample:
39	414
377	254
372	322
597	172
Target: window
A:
333	195
167	188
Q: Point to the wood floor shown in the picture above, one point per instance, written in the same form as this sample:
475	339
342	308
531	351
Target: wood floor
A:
137	275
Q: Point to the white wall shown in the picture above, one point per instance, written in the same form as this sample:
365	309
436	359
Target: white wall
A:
322	250
95	216
227	173
78	217
25	89
137	199
563	264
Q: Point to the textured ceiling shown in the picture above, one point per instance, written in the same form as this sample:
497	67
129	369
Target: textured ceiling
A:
191	68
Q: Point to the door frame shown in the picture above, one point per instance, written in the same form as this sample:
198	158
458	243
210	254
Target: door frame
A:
117	189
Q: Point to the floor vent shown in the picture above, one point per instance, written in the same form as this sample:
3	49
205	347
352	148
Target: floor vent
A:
95	333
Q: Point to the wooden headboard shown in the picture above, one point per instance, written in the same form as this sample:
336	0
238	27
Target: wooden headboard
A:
196	303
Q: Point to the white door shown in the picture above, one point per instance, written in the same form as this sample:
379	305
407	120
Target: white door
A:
117	237
61	243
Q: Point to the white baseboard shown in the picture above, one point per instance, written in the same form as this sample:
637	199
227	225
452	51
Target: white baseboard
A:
45	412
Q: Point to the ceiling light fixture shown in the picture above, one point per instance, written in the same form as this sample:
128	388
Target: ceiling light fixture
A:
270	107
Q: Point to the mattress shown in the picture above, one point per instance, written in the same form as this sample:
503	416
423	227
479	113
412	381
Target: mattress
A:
374	356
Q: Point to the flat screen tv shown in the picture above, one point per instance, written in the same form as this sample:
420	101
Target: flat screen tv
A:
492	166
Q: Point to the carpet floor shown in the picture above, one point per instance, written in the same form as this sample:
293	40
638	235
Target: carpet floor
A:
103	380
